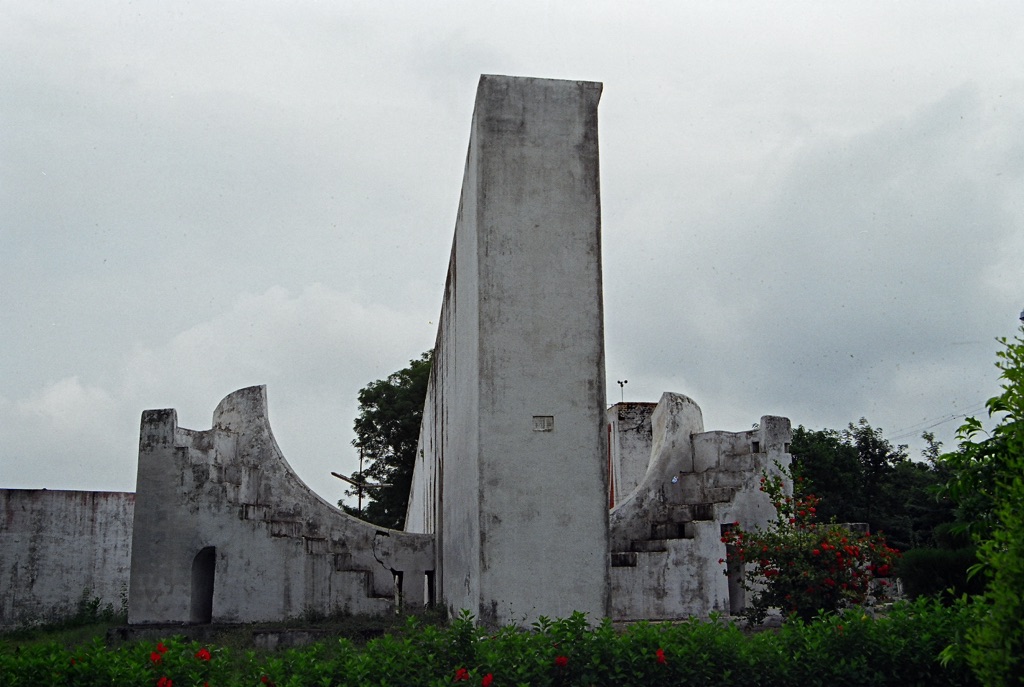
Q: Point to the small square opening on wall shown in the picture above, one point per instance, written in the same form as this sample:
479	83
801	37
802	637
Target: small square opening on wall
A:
543	423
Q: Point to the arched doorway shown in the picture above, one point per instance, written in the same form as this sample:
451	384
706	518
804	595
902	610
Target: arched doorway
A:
204	566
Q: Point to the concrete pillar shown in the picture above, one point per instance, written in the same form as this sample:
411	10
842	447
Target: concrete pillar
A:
514	423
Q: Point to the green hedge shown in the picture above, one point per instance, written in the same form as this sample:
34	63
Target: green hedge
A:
900	648
939	572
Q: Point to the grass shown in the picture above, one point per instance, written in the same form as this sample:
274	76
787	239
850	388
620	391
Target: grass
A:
86	627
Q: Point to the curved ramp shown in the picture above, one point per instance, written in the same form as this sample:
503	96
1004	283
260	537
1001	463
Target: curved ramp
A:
225	531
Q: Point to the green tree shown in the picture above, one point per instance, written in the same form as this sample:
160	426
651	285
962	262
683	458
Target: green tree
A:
878	460
387	431
830	468
988	485
861	476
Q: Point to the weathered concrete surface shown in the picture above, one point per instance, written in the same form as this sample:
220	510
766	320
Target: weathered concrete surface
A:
629	450
57	545
225	531
512	474
666	534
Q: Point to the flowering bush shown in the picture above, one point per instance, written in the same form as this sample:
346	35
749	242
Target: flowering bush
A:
802	566
896	650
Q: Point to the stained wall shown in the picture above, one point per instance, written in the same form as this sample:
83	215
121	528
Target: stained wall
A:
666	534
57	545
630	439
225	531
512	473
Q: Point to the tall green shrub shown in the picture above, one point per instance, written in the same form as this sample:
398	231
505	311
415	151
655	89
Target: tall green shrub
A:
988	483
939	572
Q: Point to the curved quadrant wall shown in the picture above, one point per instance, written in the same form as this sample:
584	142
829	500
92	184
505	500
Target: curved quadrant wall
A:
225	531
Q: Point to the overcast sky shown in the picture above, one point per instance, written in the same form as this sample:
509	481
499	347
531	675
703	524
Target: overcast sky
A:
813	210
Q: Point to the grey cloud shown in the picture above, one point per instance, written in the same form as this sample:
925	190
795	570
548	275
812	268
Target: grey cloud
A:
838	287
201	196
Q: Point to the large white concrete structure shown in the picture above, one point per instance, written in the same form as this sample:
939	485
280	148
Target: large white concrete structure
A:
511	477
519	461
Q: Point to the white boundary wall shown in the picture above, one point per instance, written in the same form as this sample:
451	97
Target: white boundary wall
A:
56	546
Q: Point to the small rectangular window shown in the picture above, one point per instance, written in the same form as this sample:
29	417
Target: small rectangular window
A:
755	447
543	423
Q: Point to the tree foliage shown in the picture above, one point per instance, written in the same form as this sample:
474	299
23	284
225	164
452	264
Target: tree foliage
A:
861	476
987	483
387	430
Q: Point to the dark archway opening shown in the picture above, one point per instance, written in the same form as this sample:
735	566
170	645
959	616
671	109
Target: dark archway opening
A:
204	566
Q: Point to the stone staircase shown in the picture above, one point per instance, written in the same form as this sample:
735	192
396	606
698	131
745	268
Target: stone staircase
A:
676	524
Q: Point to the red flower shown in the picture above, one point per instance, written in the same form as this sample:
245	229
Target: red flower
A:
487	680
203	654
161	648
659	656
561	661
155	657
164	682
461	674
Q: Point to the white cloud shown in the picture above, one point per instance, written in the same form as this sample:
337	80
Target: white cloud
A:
66	406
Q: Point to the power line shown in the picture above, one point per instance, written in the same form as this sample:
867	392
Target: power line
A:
931	423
